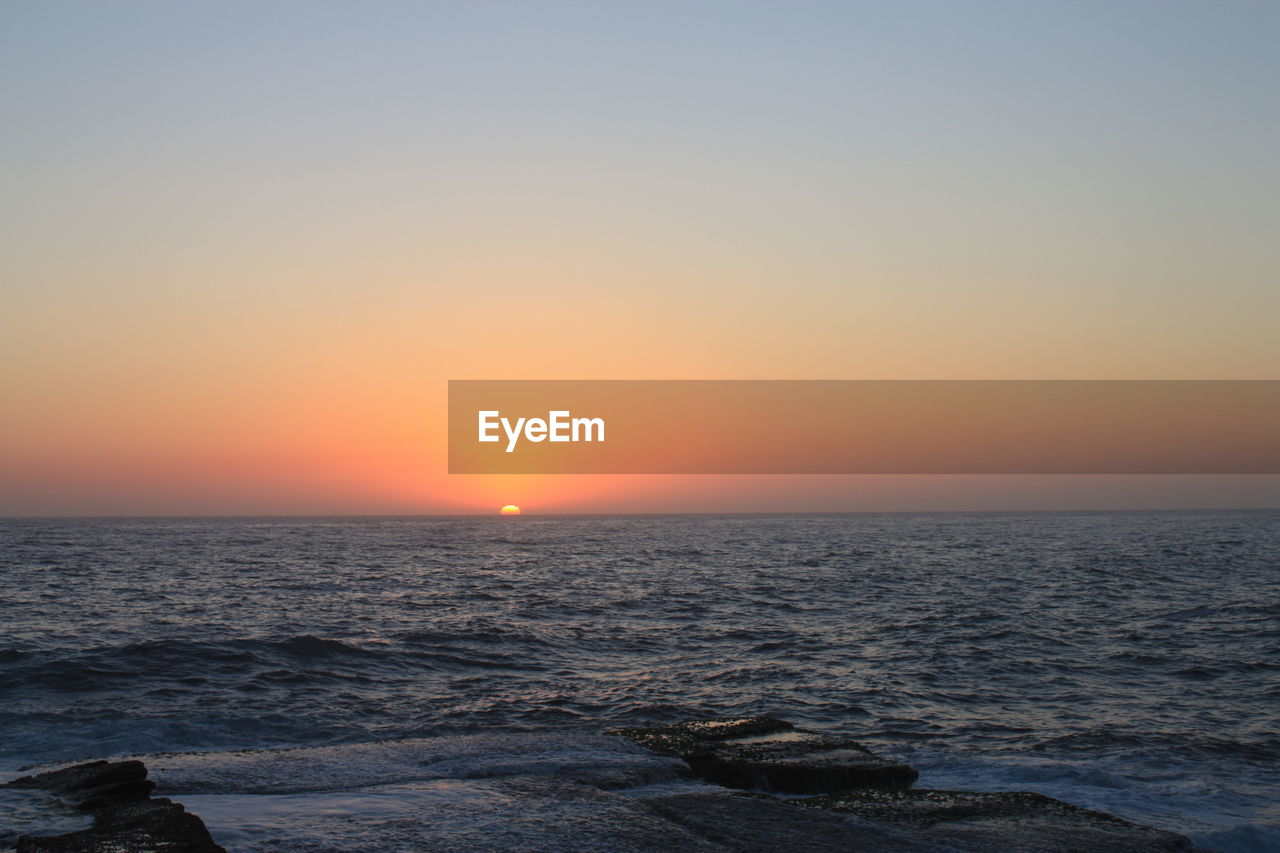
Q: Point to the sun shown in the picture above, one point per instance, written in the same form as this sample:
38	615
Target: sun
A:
509	509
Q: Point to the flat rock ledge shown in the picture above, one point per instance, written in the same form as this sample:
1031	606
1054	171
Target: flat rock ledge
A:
857	802
1000	821
126	818
768	754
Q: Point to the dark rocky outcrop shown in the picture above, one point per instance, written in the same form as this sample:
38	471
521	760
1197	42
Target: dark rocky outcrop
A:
94	785
743	822
772	755
858	801
1000	821
125	817
872	793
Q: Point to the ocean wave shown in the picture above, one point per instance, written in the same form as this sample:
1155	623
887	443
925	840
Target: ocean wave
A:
1092	646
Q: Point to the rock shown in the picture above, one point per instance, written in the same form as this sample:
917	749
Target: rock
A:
998	822
95	784
633	808
744	822
872	792
126	818
150	826
805	763
772	755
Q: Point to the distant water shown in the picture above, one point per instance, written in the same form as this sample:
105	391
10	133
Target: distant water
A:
1128	662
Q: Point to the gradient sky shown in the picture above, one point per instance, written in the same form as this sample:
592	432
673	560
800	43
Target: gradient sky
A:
244	245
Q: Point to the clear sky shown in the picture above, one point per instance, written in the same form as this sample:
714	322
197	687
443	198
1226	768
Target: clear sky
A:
244	245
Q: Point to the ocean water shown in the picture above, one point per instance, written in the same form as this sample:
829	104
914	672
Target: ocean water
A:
285	675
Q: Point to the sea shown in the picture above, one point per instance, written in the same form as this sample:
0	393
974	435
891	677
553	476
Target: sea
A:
431	683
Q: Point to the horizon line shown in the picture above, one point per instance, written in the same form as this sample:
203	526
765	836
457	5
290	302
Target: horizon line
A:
535	514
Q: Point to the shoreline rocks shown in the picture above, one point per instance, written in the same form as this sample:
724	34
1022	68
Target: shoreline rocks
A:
1000	821
840	796
772	755
768	754
126	818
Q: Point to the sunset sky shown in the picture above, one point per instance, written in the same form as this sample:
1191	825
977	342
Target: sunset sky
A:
243	246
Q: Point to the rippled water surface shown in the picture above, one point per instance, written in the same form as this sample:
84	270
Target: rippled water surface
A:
1123	661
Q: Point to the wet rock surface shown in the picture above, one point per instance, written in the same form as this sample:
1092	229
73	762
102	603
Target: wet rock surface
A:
742	822
614	800
872	793
768	754
125	817
93	785
1000	821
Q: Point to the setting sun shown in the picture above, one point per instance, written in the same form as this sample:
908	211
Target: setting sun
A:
510	509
